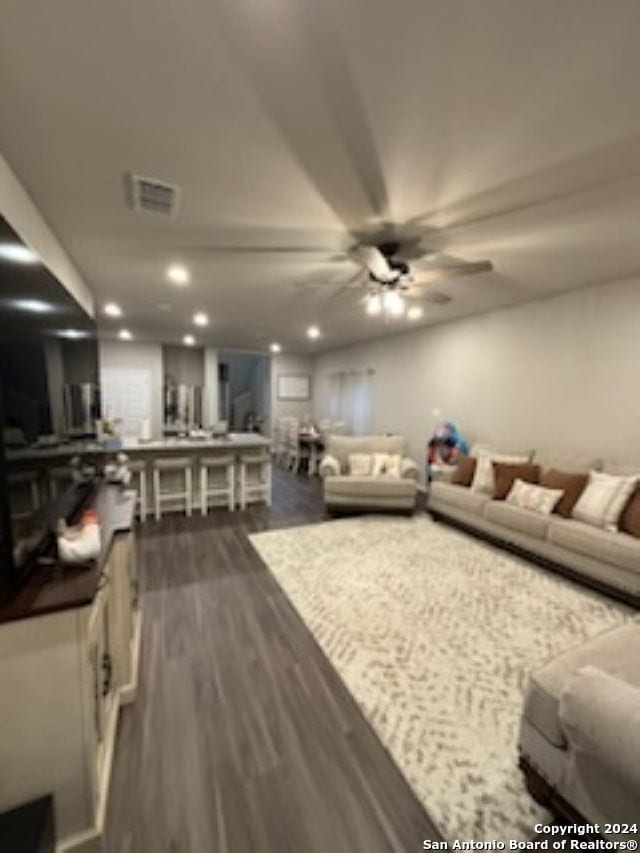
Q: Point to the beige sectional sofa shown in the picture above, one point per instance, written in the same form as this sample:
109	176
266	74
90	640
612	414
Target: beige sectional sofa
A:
345	492
579	738
605	560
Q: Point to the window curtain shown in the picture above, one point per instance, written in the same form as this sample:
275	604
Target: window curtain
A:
351	400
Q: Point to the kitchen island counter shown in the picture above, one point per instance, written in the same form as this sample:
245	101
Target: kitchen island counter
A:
234	442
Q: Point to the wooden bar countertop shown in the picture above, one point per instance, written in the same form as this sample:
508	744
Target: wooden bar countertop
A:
50	589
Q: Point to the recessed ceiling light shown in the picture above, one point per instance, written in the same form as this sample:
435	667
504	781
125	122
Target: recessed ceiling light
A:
393	303
415	313
125	335
18	253
188	340
374	304
73	334
313	332
36	306
112	310
275	348
178	274
200	319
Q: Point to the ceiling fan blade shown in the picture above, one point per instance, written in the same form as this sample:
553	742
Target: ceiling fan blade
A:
317	283
373	259
430	296
330	253
413	249
426	276
356	281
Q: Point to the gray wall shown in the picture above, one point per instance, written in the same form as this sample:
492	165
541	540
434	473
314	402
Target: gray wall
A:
560	372
184	364
290	363
129	354
80	361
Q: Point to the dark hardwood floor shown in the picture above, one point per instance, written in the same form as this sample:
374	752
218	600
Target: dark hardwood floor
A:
243	739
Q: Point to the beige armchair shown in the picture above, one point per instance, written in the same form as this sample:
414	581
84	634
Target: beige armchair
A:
346	492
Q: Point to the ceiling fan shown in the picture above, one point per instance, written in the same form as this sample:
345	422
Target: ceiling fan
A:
392	265
388	277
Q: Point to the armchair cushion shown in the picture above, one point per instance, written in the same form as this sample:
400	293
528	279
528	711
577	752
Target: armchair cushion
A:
369	487
329	467
600	715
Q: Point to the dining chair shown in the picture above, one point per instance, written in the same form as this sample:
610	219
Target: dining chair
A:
281	442
296	450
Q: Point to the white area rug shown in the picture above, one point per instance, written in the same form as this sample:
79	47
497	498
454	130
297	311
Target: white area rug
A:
434	634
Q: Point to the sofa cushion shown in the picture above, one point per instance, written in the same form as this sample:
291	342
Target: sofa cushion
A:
483	479
363	487
603	500
464	471
534	498
360	464
523	520
340	446
630	518
505	474
618	549
459	497
572	484
616	652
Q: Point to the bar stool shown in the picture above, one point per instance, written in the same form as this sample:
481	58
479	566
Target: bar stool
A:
31	481
179	466
138	470
258	465
57	478
220	488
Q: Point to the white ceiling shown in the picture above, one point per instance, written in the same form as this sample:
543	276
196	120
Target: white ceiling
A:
501	129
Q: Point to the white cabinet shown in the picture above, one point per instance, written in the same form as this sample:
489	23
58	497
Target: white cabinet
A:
64	676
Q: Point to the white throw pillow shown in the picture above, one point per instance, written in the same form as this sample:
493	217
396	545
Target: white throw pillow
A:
379	464
535	498
360	464
603	500
483	478
392	468
386	465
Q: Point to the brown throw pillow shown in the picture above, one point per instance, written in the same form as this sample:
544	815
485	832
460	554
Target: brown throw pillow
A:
571	484
465	469
505	475
630	518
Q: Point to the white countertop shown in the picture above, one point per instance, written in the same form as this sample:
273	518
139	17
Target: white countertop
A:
234	441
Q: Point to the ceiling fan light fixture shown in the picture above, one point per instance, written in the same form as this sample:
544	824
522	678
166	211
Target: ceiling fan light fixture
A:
393	303
374	304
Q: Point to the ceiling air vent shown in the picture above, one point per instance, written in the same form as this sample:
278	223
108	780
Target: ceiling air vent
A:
436	297
149	195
